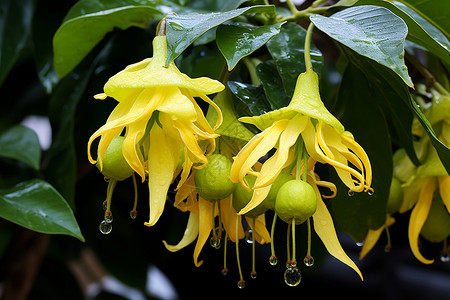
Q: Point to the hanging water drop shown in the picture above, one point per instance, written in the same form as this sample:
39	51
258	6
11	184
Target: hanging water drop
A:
133	214
105	227
224	272
308	261
253	274
108	217
105	205
350	193
360	244
273	260
292	276
215	242
370	192
241	284
249	236
387	248
444	256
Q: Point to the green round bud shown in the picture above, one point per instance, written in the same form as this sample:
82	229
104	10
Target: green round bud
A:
395	199
296	199
114	164
213	181
437	225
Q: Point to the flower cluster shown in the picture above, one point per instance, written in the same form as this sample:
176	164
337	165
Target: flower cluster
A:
423	190
159	132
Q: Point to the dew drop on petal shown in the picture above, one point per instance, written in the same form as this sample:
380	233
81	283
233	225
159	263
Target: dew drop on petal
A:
105	227
292	276
241	284
308	261
273	260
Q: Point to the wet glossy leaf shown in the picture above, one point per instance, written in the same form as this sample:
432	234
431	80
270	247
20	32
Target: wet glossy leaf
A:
17	15
288	47
183	30
22	143
87	23
433	10
236	41
272	83
360	113
251	95
371	31
420	30
36	205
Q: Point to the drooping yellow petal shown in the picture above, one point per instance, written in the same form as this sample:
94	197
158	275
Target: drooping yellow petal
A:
188	192
444	190
130	147
190	141
258	196
274	165
372	238
190	234
324	227
162	161
260	231
178	105
205	227
411	192
265	145
418	216
229	220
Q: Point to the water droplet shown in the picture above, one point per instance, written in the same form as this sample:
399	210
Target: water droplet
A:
444	256
215	242
241	284
308	261
105	227
370	192
387	248
360	244
133	214
105	205
273	260
350	193
224	272
253	274
108	217
249	236
292	276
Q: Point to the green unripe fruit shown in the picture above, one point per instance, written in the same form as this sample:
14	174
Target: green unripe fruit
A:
213	181
437	225
242	196
114	164
282	178
395	196
296	199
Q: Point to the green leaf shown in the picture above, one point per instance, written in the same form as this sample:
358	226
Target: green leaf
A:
22	143
236	41
272	83
36	205
251	95
420	30
392	97
202	61
371	31
88	22
435	11
288	47
15	25
358	110
183	30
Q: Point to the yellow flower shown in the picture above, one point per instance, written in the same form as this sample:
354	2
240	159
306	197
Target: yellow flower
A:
323	135
158	115
200	223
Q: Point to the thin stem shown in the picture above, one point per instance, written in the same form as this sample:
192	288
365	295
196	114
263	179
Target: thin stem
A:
305	164
300	148
109	193
292	7
293	240
317	3
308	251
135	193
272	233
226	235
253	247
388	246
308	37
251	64
213	221
288	244
237	248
